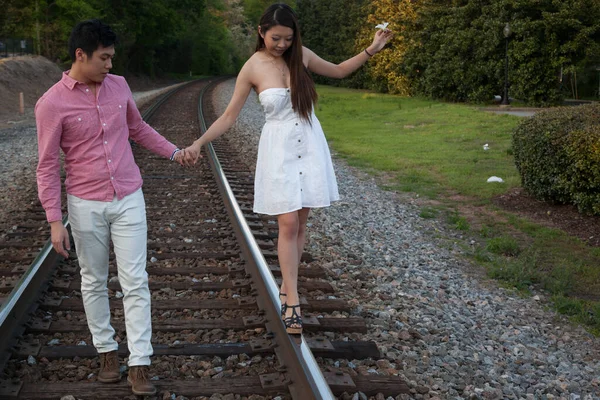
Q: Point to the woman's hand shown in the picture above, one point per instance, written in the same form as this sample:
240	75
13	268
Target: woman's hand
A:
192	153
381	38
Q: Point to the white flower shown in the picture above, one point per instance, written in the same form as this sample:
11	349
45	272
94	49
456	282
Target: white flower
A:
382	26
486	147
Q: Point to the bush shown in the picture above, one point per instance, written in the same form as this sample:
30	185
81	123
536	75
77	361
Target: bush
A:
557	153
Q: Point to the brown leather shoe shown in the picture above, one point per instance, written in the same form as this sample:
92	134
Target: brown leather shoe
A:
109	367
139	380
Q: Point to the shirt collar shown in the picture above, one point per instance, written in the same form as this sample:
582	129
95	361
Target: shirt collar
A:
68	81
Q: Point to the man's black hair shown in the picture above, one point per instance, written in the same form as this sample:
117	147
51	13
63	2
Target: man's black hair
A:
89	35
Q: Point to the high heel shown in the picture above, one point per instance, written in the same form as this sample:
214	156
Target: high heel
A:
283	304
294	319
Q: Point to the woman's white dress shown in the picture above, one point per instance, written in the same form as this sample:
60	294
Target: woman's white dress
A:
293	168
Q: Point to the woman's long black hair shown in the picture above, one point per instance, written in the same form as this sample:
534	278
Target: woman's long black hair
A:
303	92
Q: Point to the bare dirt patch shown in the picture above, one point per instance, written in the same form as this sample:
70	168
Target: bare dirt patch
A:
564	217
559	216
32	75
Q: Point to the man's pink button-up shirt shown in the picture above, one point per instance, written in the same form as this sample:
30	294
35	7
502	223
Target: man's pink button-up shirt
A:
93	132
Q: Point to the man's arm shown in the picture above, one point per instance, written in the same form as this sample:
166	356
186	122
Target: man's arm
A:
49	132
143	133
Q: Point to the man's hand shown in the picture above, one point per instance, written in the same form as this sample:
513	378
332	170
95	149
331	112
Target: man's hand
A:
179	157
60	238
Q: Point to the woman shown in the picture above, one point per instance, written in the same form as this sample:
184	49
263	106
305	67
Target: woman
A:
294	172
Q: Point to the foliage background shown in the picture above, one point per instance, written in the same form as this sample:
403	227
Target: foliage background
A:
156	37
444	49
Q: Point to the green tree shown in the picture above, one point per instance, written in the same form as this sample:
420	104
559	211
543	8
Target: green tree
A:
330	29
146	28
253	9
385	70
458	48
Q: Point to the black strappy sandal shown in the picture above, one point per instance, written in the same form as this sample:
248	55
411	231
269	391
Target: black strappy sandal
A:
283	305
295	319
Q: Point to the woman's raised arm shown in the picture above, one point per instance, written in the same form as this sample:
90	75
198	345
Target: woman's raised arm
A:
322	67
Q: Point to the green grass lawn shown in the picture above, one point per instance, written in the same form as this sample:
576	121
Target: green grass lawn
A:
436	150
430	147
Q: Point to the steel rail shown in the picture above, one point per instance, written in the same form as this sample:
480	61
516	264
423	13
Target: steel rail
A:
149	112
15	309
307	381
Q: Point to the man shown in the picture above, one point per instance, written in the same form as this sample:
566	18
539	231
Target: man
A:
91	115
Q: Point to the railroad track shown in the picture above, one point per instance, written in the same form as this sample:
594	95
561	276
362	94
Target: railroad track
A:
215	309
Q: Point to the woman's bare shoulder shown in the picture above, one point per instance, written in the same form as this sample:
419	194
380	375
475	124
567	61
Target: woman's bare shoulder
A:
249	69
254	59
307	54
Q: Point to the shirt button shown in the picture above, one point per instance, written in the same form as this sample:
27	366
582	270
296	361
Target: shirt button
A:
104	124
299	156
87	90
105	142
112	177
110	161
300	172
120	106
97	106
78	119
296	124
299	140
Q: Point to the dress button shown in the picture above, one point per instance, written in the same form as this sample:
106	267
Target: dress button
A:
296	124
87	90
300	172
299	140
105	142
97	106
299	156
112	177
104	124
111	160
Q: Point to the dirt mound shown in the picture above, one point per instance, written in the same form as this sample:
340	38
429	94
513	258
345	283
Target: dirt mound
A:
32	75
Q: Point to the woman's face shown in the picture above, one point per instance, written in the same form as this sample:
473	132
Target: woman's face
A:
277	39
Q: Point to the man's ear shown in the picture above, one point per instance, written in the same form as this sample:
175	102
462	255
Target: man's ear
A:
80	55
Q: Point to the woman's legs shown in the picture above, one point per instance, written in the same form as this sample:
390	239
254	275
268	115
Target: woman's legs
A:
303	217
290	244
300	241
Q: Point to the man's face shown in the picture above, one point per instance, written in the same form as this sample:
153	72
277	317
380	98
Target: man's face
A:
96	67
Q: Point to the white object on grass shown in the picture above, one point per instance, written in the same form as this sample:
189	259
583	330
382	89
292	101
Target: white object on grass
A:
382	26
486	147
495	179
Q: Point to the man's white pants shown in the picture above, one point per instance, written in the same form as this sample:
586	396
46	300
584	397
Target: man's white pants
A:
93	224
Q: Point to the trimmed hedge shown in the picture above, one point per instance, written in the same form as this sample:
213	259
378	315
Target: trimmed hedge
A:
557	153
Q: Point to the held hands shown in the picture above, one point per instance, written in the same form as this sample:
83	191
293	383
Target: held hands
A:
382	36
191	154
